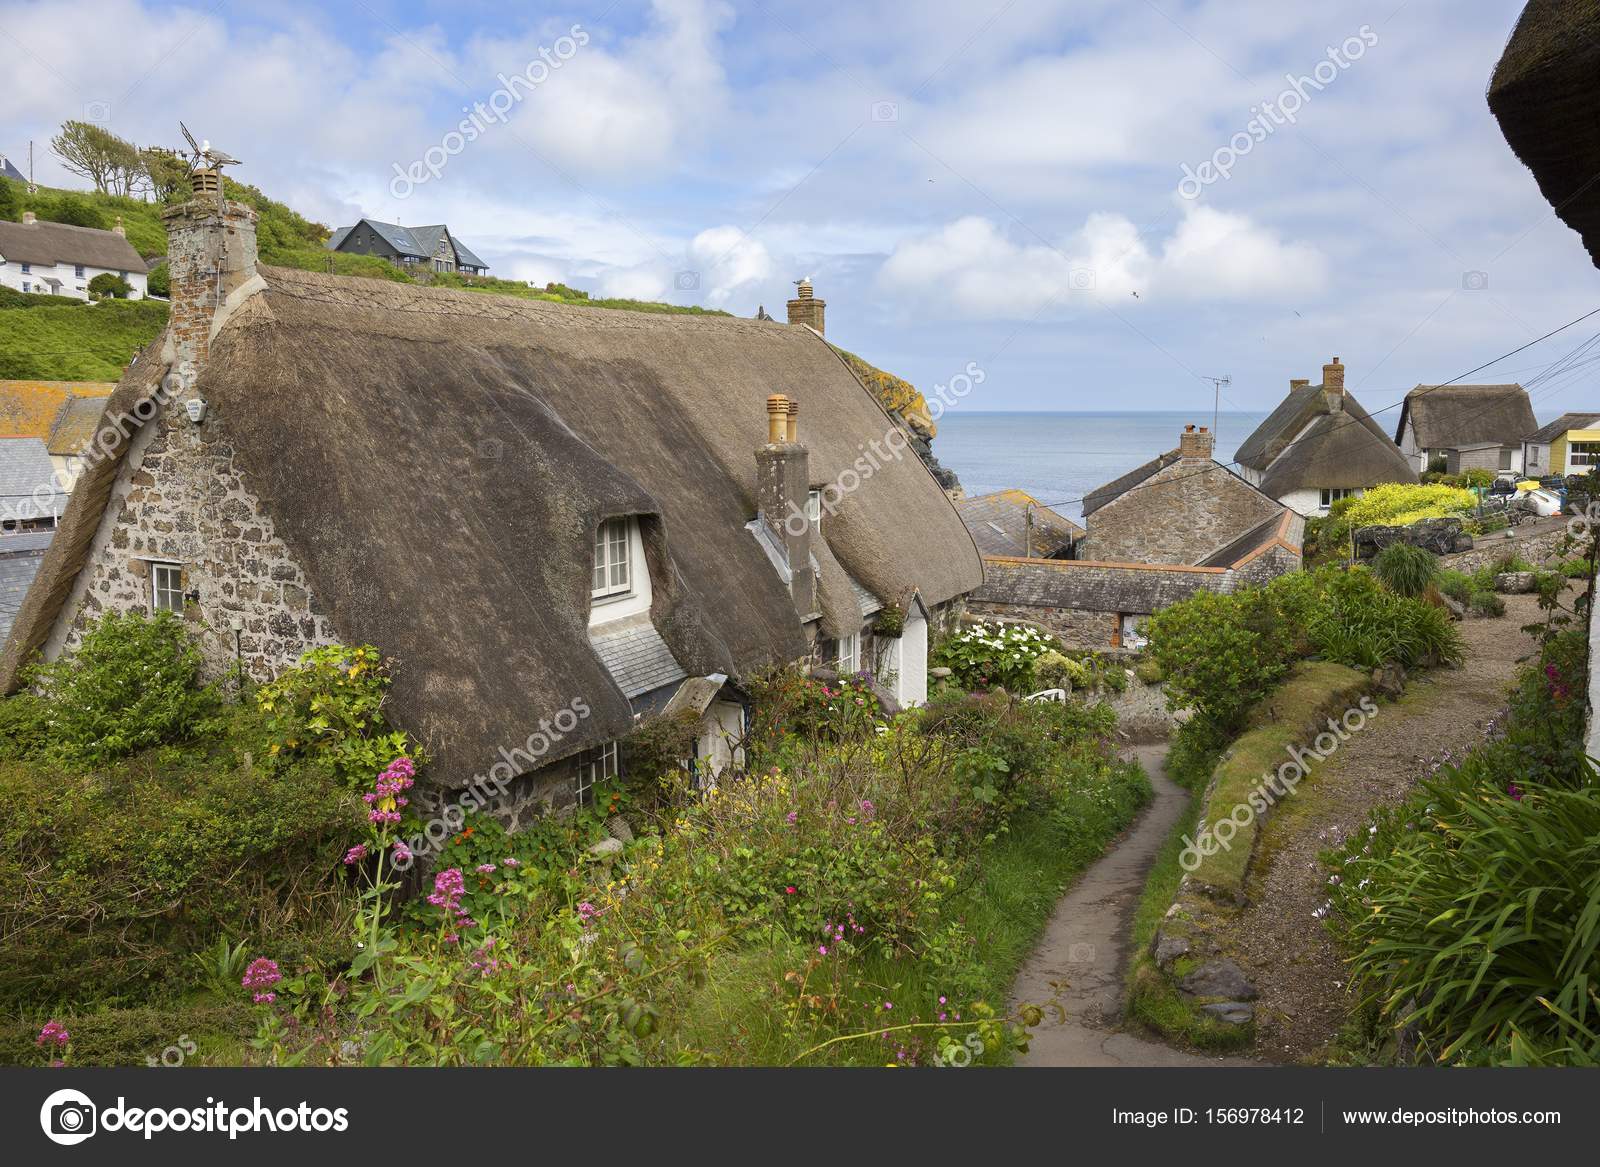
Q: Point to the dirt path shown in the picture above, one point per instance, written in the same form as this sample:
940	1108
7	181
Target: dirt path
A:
1287	952
1085	948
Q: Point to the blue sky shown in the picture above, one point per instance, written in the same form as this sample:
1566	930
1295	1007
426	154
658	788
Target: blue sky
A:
973	181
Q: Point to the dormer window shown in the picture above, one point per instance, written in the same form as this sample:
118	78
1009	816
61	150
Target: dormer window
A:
613	560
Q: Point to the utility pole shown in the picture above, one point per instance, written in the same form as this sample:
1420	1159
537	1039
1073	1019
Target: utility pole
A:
1216	400
33	187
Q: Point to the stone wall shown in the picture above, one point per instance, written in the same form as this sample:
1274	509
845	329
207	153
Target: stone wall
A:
1178	515
1074	627
1535	542
1268	566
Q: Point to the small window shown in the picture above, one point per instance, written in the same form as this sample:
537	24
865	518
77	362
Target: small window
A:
814	509
850	654
613	569
1331	495
166	587
1505	457
27	268
596	767
77	270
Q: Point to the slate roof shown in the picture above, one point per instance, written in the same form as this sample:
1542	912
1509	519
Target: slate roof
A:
1452	417
50	243
1287	527
75	426
868	602
997	522
24	467
1567	421
416	242
9	171
20	557
1135	589
637	658
1101	495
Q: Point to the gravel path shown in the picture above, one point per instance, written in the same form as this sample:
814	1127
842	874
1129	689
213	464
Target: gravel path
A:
1286	952
1082	959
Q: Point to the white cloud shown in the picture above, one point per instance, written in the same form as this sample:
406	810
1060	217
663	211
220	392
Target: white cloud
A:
727	260
975	267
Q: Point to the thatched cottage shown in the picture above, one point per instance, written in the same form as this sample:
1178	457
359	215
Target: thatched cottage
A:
1465	427
1180	523
1319	445
555	518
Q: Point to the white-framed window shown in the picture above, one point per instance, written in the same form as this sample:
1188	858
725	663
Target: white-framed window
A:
1332	494
1583	454
613	566
77	271
814	509
596	766
27	268
850	653
166	587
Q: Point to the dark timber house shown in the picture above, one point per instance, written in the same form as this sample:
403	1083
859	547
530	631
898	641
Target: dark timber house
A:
430	248
557	519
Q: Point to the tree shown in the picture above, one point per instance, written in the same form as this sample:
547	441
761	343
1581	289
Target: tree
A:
108	286
75	210
159	281
95	153
10	204
165	174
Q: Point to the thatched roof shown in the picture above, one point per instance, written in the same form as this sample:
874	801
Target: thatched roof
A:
1567	421
1305	444
999	520
1449	417
438	462
50	243
1545	96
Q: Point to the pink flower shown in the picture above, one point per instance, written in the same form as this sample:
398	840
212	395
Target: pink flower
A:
402	853
260	977
511	862
355	855
53	1031
447	888
823	949
789	891
1514	791
486	869
792	817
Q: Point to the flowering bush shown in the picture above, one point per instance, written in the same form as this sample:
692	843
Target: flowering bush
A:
329	708
788	702
994	655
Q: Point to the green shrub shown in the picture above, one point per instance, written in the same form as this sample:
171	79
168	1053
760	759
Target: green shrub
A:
1487	604
329	707
24	727
1396	504
1455	584
134	682
1405	570
1361	623
989	655
1149	672
1577	568
109	286
159	281
1055	670
1220	653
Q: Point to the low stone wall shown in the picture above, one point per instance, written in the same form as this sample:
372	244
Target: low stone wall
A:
1142	713
1535	542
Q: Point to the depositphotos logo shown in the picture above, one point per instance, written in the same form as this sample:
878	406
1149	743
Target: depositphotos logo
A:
69	1116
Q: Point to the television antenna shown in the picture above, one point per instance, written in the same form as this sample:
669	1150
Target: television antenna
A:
1216	401
201	155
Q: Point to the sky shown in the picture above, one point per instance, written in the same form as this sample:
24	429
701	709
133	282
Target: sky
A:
1034	187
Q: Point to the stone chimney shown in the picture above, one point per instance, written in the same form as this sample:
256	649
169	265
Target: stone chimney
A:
805	308
119	229
211	263
1196	444
783	490
1299	383
1333	385
29	218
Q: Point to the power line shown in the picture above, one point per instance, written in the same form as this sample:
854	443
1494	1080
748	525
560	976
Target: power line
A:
1329	433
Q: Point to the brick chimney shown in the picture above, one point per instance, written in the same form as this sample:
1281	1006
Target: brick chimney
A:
1299	383
805	308
1333	385
211	263
783	490
1196	444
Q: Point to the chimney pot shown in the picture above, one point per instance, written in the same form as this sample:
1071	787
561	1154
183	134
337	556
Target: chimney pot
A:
777	419
29	218
1299	382
792	433
119	229
1189	429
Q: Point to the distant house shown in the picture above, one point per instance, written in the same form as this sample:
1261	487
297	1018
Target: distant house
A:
624	513
58	259
429	248
1176	525
1568	445
63	414
20	557
9	171
1472	427
30	498
1318	446
1013	522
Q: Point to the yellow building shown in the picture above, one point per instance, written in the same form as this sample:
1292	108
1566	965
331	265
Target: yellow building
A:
1568	445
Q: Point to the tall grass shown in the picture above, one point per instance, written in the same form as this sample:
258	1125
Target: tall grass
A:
1405	570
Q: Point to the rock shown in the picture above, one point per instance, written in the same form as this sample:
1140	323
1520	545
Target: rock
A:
1457	610
1440	536
939	674
1514	583
1166	949
606	849
1233	1012
1219	978
1390	679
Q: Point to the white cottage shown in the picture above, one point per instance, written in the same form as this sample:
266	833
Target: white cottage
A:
58	259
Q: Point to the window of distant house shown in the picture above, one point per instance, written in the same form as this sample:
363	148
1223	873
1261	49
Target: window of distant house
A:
1584	454
1332	494
596	767
814	509
27	268
613	571
1505	457
26	286
166	587
850	653
77	270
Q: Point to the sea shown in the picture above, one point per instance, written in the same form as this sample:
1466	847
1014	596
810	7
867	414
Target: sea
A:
1060	457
